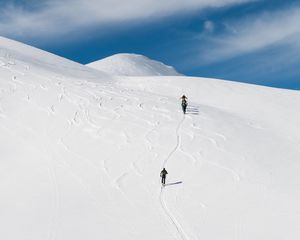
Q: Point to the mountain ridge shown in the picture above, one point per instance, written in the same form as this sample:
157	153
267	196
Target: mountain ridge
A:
125	64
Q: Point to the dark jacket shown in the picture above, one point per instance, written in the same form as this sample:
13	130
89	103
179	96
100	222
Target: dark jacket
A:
163	173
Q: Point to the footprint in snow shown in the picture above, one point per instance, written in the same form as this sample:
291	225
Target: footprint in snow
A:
52	108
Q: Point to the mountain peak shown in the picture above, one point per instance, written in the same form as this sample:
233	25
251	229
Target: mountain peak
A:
126	64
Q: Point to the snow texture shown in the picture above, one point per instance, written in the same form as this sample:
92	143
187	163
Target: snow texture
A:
133	65
81	153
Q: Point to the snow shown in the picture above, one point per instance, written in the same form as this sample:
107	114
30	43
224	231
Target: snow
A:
132	65
81	152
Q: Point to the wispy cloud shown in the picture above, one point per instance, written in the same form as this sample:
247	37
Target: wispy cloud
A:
209	26
256	33
56	17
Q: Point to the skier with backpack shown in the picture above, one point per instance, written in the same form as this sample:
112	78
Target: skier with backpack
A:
163	175
184	103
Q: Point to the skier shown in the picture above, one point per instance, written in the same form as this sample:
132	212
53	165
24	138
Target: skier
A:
184	103
163	175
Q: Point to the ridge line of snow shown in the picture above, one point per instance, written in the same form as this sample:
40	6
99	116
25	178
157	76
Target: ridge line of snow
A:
124	64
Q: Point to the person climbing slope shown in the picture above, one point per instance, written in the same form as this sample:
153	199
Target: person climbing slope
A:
163	175
184	103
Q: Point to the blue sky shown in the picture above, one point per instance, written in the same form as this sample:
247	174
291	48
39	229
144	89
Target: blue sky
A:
254	41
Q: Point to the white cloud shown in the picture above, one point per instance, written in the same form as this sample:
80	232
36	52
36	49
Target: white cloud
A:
256	33
209	26
58	16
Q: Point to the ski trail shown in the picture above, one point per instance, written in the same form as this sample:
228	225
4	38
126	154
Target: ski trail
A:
177	142
56	218
172	219
176	224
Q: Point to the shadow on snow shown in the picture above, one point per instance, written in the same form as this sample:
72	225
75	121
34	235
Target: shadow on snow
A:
192	110
174	183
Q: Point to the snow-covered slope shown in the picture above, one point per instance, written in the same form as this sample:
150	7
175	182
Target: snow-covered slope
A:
81	154
132	65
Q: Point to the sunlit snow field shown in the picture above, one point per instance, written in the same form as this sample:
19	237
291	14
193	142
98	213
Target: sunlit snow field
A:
81	152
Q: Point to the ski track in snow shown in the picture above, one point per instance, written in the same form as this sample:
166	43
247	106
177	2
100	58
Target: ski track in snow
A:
177	142
173	220
56	217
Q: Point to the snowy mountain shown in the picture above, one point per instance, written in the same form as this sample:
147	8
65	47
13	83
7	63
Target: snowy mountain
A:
133	65
81	153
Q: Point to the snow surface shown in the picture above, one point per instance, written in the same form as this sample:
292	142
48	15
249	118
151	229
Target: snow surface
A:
133	65
81	154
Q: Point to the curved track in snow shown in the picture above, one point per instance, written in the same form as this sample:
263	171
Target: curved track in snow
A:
177	142
176	224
